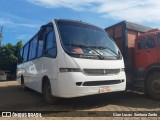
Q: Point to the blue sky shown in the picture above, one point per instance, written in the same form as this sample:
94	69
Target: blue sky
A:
21	19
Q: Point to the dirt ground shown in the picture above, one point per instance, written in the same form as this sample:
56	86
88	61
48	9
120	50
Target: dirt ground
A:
13	98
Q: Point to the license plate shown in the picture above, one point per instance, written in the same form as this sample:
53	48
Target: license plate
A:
104	90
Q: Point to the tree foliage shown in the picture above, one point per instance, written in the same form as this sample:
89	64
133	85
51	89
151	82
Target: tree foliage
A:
9	55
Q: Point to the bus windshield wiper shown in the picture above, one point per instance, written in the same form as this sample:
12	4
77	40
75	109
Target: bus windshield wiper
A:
99	54
86	47
105	47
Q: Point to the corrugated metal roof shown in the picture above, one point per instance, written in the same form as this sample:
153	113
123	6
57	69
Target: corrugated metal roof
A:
131	26
137	27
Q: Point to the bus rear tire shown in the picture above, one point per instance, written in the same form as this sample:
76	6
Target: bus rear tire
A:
48	98
23	87
153	85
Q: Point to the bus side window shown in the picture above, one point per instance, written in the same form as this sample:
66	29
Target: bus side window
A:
25	53
40	48
158	37
50	44
150	43
20	57
141	44
33	46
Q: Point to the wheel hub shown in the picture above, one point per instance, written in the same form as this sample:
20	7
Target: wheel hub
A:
156	86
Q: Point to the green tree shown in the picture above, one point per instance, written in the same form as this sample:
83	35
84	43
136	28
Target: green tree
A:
17	49
9	55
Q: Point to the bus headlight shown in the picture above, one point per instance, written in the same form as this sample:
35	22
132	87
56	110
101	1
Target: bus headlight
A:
69	70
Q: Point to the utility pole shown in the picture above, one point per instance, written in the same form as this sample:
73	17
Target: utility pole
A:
1	36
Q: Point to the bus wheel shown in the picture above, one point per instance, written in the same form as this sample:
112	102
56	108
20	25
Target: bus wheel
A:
47	93
22	84
153	85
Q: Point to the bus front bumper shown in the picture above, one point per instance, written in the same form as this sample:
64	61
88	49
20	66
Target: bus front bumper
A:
68	84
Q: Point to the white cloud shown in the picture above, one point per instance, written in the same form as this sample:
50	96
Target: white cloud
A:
28	25
22	37
5	21
11	16
132	10
73	4
10	23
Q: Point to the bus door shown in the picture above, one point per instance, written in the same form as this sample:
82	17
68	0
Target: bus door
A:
47	52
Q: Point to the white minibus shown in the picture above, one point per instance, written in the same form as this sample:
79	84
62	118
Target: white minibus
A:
69	58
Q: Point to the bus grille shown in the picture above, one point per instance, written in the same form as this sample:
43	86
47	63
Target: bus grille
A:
101	71
97	83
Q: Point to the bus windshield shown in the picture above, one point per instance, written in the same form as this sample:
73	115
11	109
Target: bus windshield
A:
87	41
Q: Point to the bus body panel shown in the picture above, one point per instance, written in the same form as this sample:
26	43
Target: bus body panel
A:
35	70
93	63
98	64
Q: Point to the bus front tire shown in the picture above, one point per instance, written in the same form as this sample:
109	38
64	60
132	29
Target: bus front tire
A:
153	85
48	98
